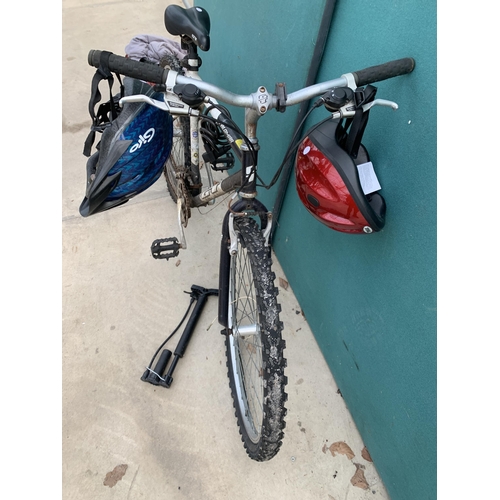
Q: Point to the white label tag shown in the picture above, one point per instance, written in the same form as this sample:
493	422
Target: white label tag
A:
368	178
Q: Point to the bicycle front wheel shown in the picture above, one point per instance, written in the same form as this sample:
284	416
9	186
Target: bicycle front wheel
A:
254	345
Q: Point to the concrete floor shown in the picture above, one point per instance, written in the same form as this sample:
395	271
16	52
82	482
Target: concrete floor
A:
122	438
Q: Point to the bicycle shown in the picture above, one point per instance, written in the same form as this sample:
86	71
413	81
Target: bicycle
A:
248	307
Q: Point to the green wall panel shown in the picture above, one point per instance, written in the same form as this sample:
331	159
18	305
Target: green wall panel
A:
370	300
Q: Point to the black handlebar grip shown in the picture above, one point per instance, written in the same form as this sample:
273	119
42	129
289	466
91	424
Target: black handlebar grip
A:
384	71
129	67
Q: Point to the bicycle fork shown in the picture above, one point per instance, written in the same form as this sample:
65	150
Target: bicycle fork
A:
248	208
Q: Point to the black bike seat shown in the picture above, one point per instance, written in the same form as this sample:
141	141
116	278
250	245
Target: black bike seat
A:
193	23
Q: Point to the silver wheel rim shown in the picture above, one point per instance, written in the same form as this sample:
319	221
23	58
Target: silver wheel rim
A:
245	344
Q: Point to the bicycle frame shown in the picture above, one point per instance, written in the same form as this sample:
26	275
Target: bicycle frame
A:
256	105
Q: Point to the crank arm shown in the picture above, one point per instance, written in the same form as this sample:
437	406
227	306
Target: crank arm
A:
166	248
183	244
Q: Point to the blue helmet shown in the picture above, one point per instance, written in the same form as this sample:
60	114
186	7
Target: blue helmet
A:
131	154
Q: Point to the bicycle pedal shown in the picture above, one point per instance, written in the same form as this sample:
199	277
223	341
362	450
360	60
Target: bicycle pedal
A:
162	249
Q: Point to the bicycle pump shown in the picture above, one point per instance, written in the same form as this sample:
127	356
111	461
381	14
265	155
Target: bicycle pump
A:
200	295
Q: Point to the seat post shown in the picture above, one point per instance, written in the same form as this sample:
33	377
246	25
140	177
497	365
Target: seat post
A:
192	61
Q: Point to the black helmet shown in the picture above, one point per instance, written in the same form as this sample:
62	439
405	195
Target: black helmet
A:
131	153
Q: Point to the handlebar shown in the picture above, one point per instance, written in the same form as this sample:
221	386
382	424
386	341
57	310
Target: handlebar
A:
384	71
129	67
156	74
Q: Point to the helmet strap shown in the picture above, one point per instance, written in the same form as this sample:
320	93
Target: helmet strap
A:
107	112
358	123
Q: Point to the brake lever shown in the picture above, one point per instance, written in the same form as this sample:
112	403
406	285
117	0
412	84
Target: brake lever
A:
379	102
173	107
348	110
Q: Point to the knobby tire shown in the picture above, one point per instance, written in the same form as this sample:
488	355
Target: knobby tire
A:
254	345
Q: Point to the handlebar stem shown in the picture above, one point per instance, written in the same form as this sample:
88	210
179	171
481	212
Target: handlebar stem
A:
251	119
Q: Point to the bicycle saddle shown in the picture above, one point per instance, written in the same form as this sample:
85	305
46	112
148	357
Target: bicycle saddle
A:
193	23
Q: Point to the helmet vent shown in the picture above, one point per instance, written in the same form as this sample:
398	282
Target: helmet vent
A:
312	200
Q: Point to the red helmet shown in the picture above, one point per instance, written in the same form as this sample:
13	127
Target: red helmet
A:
328	183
